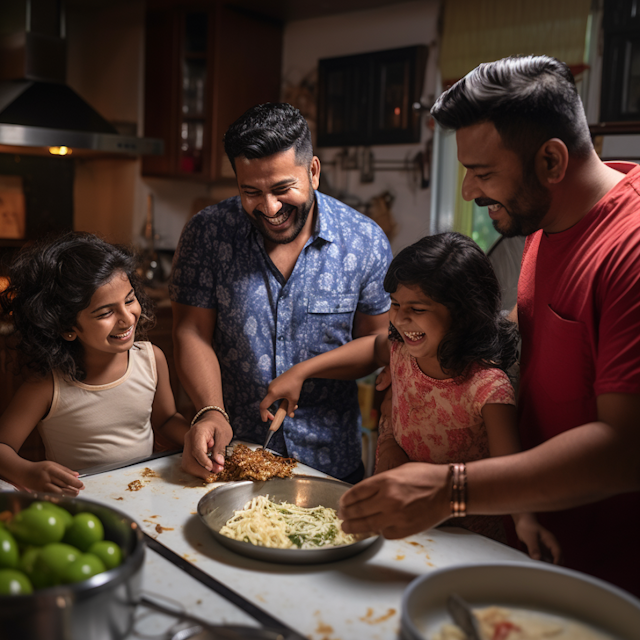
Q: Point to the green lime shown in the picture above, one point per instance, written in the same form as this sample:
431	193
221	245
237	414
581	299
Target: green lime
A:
52	562
83	567
14	583
27	562
109	552
62	513
84	531
39	527
9	556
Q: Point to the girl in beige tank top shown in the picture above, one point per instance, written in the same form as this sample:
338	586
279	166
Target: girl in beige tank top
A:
96	394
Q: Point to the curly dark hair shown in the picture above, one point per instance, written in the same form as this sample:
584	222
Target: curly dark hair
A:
529	100
267	129
452	270
51	281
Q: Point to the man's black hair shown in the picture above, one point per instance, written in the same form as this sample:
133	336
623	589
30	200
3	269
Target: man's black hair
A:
267	129
529	100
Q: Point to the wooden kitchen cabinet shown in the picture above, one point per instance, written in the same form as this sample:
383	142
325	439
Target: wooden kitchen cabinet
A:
205	65
620	98
368	98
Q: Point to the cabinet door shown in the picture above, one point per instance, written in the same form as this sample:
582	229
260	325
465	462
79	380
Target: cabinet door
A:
246	70
620	101
368	98
344	95
206	64
398	77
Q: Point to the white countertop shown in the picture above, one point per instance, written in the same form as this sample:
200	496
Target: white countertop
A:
357	598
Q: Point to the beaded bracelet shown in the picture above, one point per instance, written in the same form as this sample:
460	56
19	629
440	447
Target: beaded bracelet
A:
210	407
458	471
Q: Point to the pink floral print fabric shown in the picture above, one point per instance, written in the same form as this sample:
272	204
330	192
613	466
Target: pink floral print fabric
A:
440	421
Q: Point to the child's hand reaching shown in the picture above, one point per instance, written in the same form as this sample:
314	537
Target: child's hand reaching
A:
287	386
51	477
540	542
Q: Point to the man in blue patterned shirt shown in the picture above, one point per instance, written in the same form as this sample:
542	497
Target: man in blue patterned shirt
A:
265	280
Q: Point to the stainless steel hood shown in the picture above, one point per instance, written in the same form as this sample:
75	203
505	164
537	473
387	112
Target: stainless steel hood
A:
37	109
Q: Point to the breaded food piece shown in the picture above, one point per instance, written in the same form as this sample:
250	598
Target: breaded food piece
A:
258	465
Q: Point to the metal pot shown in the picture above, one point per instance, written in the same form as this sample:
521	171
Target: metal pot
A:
100	608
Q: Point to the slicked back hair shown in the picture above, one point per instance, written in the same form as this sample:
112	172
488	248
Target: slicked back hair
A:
267	129
529	100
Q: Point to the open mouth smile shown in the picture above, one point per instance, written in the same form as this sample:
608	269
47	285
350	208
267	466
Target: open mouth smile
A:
123	336
281	218
413	336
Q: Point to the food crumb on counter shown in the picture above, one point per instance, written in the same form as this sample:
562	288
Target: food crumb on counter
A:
369	619
136	485
160	528
400	556
119	498
149	473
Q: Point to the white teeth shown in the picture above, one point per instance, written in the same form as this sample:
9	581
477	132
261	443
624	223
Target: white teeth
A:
413	335
126	334
277	220
495	207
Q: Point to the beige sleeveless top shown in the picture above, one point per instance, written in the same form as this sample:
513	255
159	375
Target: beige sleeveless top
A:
90	425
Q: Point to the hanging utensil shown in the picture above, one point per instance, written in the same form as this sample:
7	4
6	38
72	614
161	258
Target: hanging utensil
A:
277	421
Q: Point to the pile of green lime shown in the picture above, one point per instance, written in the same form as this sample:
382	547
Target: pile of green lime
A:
44	545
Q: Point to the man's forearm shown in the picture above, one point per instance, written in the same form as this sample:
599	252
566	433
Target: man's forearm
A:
199	370
579	466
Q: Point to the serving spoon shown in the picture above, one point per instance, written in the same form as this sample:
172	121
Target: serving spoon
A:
463	616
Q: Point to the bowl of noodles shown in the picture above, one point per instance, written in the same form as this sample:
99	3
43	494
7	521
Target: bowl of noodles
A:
290	520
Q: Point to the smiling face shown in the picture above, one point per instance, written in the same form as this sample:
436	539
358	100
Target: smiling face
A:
496	178
278	194
109	323
422	323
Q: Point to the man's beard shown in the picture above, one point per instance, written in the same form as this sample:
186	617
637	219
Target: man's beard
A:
301	213
525	210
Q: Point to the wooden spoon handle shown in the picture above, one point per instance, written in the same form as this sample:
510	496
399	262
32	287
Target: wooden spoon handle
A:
280	416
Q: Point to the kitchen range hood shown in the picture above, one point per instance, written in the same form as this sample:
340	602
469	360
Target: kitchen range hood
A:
37	109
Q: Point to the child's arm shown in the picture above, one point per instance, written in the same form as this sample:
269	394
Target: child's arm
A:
500	421
351	361
165	420
389	454
30	403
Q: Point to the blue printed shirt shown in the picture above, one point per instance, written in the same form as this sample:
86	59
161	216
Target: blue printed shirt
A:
265	324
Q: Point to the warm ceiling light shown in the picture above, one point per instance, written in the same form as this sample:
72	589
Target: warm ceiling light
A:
60	151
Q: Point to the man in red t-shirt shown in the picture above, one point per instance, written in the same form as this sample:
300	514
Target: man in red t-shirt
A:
523	137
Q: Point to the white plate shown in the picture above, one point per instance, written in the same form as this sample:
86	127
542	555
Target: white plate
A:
541	587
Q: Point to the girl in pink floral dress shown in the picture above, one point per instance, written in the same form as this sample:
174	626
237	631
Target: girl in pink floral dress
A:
448	350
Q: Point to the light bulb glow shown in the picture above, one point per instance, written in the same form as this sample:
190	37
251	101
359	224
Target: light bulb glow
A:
60	151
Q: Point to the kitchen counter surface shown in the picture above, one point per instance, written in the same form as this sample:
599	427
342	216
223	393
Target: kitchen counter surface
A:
356	598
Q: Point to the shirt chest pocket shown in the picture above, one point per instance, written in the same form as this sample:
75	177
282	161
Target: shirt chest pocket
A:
565	359
329	321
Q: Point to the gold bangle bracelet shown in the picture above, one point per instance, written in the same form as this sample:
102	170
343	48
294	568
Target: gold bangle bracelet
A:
458	472
211	407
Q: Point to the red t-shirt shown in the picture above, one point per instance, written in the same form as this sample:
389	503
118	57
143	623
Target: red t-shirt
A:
579	316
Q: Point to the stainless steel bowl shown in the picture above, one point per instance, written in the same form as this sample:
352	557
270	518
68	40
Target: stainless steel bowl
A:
217	506
100	608
535	586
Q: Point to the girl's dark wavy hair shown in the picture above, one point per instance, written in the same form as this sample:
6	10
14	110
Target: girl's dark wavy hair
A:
51	281
452	269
